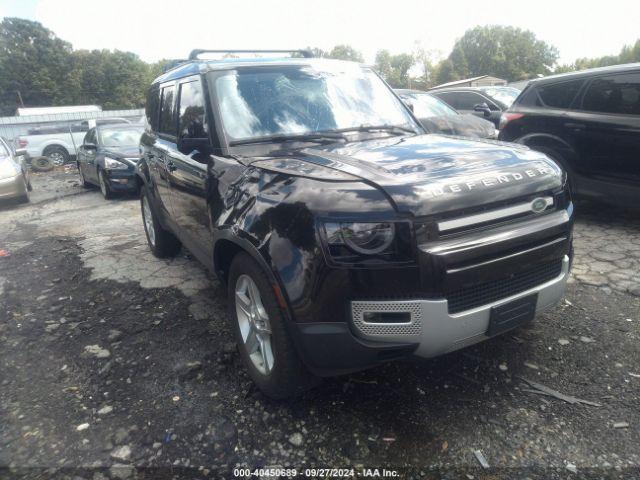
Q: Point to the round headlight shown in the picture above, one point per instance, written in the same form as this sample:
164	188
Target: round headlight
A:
368	238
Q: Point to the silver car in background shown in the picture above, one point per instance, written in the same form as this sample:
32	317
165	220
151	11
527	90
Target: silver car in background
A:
14	174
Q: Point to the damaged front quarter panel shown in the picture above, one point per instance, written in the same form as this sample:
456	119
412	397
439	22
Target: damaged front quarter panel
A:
276	205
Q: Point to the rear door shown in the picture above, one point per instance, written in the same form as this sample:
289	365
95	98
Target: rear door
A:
188	166
610	112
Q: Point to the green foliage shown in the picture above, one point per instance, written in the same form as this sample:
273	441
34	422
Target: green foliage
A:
394	68
48	72
345	52
505	52
628	54
34	62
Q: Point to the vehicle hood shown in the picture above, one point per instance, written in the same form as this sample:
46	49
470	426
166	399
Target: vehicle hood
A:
128	153
427	174
463	125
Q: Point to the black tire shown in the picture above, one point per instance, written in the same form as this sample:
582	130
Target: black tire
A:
162	243
57	154
41	164
104	185
24	198
559	159
288	377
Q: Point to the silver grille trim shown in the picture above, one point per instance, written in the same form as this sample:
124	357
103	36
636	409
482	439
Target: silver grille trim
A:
411	328
492	215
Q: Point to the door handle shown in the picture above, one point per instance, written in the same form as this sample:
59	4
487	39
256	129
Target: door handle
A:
578	127
171	166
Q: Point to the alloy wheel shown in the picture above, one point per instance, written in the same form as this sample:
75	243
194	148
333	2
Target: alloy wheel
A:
148	220
254	324
57	158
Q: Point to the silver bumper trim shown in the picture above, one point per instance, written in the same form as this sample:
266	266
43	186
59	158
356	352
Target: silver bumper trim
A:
435	329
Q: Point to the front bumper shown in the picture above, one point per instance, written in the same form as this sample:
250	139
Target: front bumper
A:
330	349
434	329
12	187
122	180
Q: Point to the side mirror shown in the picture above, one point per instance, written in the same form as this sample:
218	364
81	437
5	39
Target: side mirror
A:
187	145
21	152
484	108
408	103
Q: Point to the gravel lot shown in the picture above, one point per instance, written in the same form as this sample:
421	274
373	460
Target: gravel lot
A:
114	364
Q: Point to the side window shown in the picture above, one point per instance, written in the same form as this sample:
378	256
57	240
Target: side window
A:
191	122
618	94
448	97
468	100
151	110
167	111
560	95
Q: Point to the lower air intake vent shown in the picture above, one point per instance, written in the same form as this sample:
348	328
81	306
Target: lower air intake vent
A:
472	297
395	312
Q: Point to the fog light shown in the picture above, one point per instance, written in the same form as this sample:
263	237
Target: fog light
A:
386	317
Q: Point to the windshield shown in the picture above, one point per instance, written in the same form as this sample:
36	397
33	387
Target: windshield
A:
505	95
425	106
297	100
129	137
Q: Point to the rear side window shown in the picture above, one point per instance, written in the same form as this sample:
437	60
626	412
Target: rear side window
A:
167	111
617	94
153	100
191	116
560	95
448	98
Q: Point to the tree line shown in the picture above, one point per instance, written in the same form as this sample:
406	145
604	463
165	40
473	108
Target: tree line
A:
39	69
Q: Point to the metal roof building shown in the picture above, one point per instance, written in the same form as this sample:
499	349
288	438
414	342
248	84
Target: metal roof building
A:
481	81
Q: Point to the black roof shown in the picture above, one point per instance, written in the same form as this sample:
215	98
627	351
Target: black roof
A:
586	73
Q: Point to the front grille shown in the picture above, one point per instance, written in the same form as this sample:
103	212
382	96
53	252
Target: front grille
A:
478	295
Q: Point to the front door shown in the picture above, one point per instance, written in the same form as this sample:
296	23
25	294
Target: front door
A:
188	168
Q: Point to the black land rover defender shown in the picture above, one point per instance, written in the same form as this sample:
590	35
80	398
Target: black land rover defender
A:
345	234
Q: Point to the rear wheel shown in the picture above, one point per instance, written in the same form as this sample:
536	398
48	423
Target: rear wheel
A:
162	243
58	155
259	325
559	159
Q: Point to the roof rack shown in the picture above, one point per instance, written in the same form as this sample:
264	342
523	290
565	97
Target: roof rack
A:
198	51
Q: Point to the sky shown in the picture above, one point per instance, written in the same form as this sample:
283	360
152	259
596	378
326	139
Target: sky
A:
156	29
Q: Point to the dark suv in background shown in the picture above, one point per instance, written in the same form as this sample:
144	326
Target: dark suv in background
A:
485	102
589	122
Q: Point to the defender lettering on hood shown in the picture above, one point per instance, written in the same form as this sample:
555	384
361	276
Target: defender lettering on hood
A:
427	174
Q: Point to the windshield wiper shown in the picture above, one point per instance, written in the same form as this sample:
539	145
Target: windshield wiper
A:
398	129
307	137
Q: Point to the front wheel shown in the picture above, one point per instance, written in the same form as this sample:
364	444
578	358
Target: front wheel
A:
259	325
162	243
104	185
